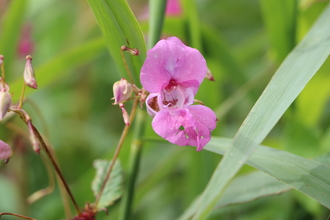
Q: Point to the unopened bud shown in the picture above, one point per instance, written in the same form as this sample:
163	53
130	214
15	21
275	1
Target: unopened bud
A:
5	151
5	103
33	138
125	114
1	59
29	77
209	75
122	91
132	51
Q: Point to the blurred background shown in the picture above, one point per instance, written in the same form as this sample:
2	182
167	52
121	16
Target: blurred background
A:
244	42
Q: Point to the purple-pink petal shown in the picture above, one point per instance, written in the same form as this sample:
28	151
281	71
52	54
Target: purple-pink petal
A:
169	60
185	126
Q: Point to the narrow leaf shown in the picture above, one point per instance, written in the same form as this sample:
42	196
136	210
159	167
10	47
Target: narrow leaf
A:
307	176
292	76
114	187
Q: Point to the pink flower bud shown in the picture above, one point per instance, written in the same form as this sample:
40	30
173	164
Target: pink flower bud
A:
122	91
125	114
29	77
133	51
5	150
5	103
33	138
209	75
1	59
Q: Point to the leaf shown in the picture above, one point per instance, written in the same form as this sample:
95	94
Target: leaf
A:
307	176
114	187
251	186
119	27
292	76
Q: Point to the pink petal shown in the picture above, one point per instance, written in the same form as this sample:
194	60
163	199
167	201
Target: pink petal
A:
171	59
5	150
185	126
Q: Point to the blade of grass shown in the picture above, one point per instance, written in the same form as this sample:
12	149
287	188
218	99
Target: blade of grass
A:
307	176
156	20
292	76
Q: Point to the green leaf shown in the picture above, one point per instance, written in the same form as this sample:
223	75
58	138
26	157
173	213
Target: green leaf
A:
114	187
119	27
251	186
156	20
292	76
307	176
56	68
192	18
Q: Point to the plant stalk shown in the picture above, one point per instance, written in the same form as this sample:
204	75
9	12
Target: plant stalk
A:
115	156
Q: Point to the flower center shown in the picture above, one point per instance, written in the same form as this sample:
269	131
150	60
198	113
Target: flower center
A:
171	86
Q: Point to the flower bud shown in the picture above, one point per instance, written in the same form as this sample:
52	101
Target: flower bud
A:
5	103
5	150
33	138
122	91
209	75
125	114
1	59
133	51
29	77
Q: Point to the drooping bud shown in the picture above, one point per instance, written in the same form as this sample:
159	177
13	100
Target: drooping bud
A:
125	114
1	59
5	150
122	91
133	51
209	75
5	103
29	77
33	138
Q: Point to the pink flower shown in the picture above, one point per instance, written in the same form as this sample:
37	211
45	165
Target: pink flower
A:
172	73
173	8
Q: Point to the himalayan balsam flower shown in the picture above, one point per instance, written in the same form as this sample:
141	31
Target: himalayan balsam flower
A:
172	73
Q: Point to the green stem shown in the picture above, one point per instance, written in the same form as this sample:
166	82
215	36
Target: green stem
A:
115	156
156	20
134	161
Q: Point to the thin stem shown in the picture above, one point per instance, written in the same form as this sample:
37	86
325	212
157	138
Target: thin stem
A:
57	169
126	66
26	118
22	96
134	161
3	82
115	156
17	215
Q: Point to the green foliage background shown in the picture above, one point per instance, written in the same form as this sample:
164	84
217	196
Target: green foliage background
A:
244	43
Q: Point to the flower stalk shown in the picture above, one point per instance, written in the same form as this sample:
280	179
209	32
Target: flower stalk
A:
26	118
116	154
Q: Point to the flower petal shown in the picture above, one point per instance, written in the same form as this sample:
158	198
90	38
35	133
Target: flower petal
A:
185	126
171	59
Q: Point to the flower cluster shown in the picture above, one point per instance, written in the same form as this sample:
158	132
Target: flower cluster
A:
172	73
